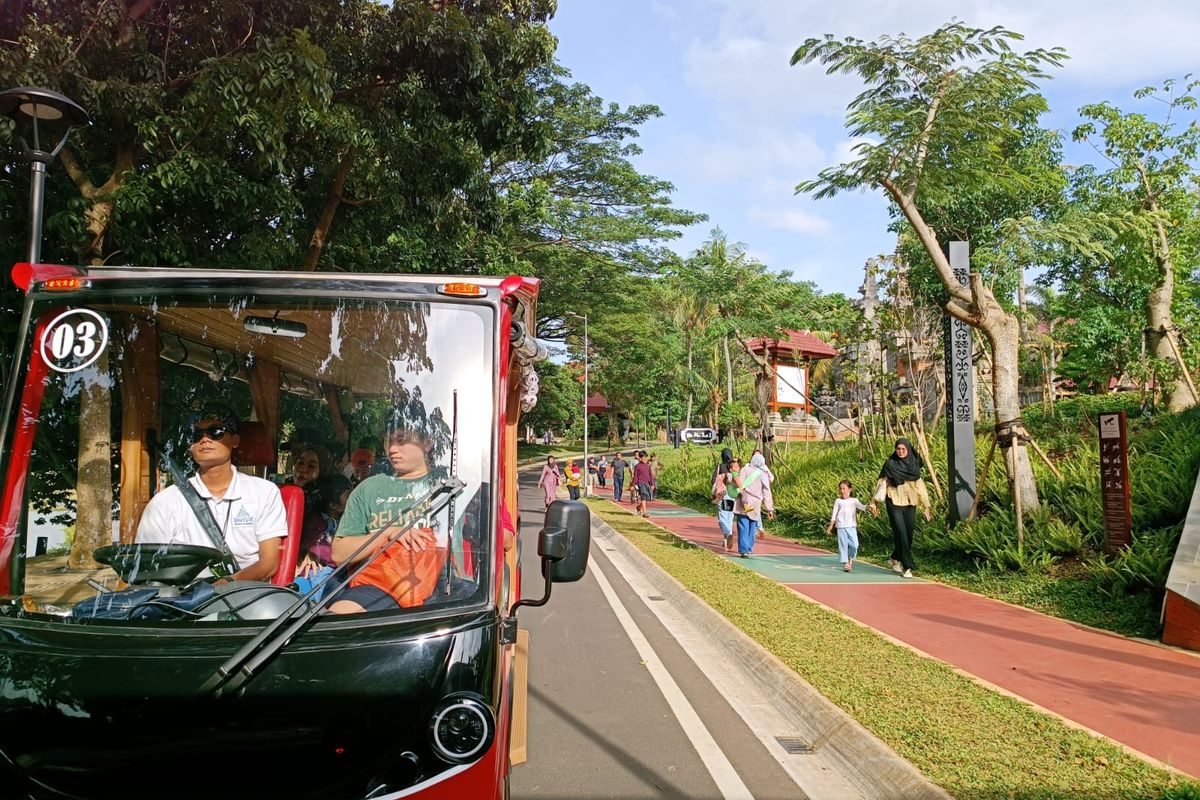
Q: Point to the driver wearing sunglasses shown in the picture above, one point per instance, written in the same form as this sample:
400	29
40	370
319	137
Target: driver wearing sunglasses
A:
248	510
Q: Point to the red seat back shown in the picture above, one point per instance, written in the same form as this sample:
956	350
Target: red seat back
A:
255	448
293	506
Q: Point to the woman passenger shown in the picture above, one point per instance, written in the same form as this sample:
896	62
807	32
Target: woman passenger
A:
316	538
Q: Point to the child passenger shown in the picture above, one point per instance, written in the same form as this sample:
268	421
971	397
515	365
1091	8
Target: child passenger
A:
845	518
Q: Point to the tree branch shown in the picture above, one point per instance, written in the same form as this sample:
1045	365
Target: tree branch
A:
75	173
926	133
332	200
956	290
131	15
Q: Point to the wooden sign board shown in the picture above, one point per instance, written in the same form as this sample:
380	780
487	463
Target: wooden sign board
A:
1114	482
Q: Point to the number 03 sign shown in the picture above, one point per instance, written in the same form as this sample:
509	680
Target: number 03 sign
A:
74	340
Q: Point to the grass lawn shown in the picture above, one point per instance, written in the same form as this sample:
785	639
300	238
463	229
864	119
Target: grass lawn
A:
975	743
540	451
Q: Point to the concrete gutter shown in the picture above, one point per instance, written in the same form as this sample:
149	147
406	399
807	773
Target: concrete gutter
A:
858	756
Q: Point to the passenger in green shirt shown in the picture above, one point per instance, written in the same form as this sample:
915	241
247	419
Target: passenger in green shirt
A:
407	573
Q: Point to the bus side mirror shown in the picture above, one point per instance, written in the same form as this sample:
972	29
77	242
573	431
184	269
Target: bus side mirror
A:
565	541
563	545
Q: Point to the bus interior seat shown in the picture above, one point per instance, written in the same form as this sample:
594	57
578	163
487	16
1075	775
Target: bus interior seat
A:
255	449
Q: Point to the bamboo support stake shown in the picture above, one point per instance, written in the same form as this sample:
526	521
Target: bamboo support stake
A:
987	464
1010	460
937	486
1183	367
1045	458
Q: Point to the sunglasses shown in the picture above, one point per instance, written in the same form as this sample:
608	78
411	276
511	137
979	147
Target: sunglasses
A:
216	433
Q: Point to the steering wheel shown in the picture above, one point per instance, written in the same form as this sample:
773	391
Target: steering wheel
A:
170	564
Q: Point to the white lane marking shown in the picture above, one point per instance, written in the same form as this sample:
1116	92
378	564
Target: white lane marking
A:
722	772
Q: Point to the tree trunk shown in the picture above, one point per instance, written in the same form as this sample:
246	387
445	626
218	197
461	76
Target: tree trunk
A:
691	392
1160	329
978	307
1052	372
613	429
728	369
1006	397
762	396
1022	306
94	485
93	488
332	200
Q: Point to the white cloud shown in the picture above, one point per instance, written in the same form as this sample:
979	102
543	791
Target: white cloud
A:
748	153
790	219
743	63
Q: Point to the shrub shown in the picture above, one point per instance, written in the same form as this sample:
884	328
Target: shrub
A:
1141	566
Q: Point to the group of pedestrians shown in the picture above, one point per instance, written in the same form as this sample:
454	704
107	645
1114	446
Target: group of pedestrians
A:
643	471
742	494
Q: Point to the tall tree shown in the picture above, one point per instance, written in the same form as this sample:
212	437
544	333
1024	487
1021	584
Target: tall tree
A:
1153	178
256	141
750	301
577	212
939	116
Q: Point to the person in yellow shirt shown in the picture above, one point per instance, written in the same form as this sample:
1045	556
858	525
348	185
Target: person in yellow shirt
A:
900	483
574	477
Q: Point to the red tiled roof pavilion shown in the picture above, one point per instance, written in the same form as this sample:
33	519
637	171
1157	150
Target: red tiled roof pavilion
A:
798	345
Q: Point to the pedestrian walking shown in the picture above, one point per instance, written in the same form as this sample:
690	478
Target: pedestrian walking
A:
619	468
550	480
591	475
845	518
643	481
574	477
761	531
602	470
724	495
754	498
901	487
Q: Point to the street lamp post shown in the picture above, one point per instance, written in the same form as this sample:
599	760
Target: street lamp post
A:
587	482
33	109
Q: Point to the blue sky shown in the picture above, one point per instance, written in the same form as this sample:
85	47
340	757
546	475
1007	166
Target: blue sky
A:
741	127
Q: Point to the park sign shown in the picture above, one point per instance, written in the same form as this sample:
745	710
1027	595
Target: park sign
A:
1114	481
960	397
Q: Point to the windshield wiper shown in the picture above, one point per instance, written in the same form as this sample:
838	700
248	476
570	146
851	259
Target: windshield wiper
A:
243	665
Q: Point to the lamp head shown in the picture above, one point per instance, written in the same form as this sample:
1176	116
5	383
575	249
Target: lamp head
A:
33	109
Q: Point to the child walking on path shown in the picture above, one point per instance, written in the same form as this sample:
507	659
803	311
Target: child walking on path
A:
845	517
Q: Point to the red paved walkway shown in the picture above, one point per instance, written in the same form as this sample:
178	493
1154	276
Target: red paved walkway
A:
1142	695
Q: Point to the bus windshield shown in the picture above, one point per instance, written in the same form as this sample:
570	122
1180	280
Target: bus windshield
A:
366	405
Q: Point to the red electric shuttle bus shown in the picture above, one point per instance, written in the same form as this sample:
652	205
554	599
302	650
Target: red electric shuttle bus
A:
143	672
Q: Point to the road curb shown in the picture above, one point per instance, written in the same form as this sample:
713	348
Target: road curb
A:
872	766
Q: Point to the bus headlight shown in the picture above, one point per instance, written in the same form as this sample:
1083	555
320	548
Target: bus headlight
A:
461	728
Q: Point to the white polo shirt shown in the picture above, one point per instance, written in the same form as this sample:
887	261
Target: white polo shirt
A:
250	512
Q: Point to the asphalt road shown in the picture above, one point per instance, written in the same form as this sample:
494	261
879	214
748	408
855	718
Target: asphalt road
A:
607	696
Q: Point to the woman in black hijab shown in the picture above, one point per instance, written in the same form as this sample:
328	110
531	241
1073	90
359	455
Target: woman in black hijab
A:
900	483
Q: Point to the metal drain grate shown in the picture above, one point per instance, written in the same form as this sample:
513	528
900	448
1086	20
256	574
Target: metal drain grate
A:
793	746
655	597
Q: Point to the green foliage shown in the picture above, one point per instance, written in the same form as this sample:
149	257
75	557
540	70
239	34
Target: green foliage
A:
560	398
977	87
1143	566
